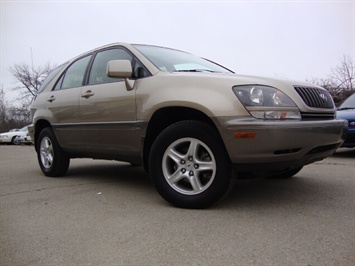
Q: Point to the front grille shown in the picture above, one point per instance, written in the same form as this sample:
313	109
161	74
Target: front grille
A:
315	97
317	116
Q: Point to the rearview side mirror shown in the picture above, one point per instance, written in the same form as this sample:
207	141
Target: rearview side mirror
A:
121	69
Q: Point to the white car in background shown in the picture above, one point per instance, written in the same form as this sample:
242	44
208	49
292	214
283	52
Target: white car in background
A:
14	137
23	139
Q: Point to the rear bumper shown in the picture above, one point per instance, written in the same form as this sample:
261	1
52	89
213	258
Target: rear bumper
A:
280	142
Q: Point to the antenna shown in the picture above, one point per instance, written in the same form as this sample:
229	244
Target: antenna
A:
32	58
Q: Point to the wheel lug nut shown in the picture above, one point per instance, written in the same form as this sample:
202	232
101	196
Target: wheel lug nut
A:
196	166
191	173
183	170
190	159
182	161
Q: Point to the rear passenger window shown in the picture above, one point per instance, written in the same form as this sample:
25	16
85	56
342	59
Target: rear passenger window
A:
99	67
74	75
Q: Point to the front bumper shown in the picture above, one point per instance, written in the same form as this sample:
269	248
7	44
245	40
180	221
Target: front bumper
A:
5	140
350	139
284	143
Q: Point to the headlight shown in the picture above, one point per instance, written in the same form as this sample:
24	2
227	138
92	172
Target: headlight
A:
256	95
265	102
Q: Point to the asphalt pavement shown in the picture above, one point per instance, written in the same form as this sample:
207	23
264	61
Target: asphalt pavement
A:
108	213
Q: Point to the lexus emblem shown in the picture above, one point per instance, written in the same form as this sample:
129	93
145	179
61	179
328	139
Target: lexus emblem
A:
323	97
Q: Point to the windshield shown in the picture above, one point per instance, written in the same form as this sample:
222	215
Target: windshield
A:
170	60
349	103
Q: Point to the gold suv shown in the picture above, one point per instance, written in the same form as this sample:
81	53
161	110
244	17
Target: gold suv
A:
193	124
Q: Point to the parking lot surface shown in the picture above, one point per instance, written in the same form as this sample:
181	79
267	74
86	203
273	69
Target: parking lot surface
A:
108	213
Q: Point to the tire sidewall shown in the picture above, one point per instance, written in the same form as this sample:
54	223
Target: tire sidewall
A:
205	134
60	162
14	141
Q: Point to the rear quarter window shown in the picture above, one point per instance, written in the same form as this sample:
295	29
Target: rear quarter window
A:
50	77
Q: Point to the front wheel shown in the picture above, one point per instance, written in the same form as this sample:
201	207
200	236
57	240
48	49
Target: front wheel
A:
15	140
52	160
189	165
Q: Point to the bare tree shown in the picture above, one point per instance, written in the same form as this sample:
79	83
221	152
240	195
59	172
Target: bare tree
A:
17	113
341	82
3	118
325	83
21	112
11	116
343	76
30	78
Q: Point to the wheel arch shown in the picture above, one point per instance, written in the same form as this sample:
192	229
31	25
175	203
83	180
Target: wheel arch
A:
39	126
165	117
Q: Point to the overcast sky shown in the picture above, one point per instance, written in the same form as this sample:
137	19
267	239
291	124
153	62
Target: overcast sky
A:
287	39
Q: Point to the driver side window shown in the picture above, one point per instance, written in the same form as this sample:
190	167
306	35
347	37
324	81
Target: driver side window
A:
74	76
98	73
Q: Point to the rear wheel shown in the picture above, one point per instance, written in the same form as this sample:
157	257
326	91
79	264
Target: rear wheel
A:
189	165
52	160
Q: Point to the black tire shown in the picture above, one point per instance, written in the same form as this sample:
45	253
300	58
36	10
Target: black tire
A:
286	174
189	165
52	160
14	141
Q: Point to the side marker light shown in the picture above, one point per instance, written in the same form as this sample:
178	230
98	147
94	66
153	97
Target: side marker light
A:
244	135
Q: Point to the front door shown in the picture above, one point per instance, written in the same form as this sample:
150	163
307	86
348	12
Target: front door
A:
107	109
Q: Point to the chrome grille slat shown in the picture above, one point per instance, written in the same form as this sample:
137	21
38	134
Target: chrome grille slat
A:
317	116
312	97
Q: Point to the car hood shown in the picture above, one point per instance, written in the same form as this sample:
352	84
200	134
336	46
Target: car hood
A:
346	114
237	79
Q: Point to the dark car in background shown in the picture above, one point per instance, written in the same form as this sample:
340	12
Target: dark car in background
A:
346	111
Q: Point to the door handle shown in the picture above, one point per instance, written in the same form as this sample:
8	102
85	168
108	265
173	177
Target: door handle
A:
87	94
51	98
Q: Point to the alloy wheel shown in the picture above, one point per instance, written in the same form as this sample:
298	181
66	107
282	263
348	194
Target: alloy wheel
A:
189	166
46	152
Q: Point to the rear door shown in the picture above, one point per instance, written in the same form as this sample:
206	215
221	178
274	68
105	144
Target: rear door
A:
63	104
